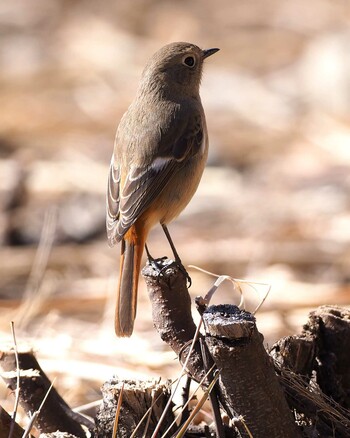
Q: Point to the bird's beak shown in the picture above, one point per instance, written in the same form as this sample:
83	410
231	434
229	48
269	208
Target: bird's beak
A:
209	52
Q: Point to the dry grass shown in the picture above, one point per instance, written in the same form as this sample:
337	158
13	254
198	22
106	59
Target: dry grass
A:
272	206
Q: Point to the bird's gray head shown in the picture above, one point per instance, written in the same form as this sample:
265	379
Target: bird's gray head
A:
176	67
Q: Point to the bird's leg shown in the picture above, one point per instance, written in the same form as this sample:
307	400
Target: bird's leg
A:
176	255
158	266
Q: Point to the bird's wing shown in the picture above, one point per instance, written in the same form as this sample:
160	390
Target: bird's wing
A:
144	183
112	201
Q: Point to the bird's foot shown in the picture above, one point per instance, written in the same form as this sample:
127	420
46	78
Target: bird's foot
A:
158	264
182	268
163	263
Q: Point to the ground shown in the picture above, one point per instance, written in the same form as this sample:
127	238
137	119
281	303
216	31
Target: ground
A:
273	206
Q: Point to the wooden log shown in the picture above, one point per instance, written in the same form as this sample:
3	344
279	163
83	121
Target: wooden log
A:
5	426
247	375
313	368
258	399
171	313
34	385
137	398
330	325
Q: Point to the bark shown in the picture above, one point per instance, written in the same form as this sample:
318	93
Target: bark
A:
314	371
171	313
34	385
172	318
330	326
295	353
5	426
247	378
137	398
247	374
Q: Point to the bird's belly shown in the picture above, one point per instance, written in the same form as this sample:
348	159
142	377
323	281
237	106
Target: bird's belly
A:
179	191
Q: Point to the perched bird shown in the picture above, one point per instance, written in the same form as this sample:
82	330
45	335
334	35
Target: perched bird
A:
160	152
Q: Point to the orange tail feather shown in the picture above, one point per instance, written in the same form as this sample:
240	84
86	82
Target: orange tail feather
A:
130	263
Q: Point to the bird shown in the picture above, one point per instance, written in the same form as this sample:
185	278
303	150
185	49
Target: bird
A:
160	151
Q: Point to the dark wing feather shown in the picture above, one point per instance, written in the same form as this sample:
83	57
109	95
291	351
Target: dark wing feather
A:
144	184
141	187
113	201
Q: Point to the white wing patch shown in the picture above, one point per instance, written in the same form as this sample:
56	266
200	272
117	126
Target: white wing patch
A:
160	162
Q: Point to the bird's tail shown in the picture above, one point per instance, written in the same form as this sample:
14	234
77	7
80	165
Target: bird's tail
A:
130	263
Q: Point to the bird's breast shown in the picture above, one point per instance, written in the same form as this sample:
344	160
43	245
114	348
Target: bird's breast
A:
180	188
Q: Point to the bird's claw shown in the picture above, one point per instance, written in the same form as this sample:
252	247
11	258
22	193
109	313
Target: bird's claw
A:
159	266
185	273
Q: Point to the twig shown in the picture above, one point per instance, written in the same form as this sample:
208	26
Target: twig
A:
148	411
188	401
212	394
240	419
34	384
36	413
314	404
171	313
82	408
236	283
198	406
148	418
13	419
31	295
185	396
182	373
117	412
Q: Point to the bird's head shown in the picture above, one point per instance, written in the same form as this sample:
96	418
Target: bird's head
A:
176	67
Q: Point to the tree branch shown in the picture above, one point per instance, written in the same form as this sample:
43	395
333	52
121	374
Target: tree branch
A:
34	384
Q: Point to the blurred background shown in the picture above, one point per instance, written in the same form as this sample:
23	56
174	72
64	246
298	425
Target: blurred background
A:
273	206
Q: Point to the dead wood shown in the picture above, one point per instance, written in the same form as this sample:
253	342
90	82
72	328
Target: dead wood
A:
34	385
171	313
57	435
247	379
205	431
5	426
314	370
172	318
143	403
247	376
330	326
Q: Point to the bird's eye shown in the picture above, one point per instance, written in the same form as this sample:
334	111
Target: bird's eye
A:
189	61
